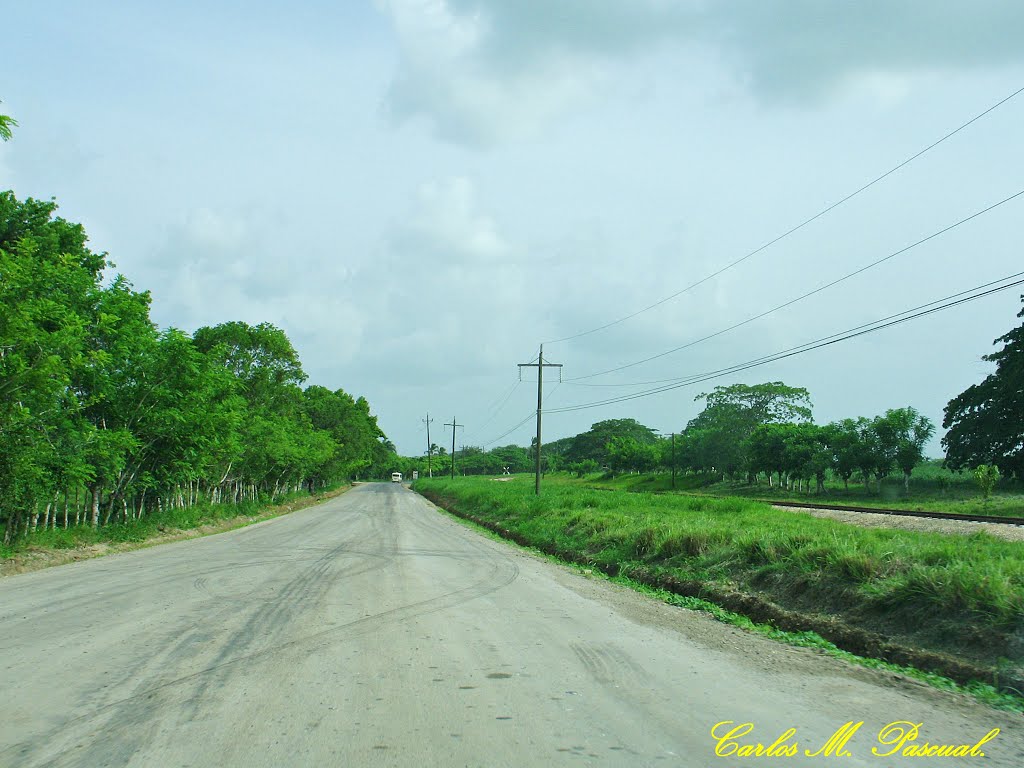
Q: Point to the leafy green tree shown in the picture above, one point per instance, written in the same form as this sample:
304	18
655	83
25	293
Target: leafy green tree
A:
872	458
771	402
904	433
49	290
732	413
515	457
844	440
593	444
629	454
806	453
765	448
986	421
986	475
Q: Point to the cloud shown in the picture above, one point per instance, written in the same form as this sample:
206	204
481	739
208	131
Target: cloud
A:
449	227
445	281
215	266
798	50
481	72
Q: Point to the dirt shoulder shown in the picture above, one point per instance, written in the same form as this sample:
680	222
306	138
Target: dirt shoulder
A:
37	558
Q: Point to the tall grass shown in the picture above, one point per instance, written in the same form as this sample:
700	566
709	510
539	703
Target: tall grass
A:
912	580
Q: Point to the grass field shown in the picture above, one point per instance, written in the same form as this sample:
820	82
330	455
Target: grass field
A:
932	489
957	595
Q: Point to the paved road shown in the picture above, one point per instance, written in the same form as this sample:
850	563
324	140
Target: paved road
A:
374	631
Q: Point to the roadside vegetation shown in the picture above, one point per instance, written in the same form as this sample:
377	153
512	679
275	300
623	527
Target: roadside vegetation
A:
56	546
953	604
108	422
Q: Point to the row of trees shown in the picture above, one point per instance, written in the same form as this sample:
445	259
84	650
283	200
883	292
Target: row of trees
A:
745	431
103	416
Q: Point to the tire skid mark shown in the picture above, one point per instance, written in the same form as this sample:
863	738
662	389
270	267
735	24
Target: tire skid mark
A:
136	717
131	722
609	664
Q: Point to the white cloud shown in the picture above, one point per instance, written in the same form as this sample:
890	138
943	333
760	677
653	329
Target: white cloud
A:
480	73
449	225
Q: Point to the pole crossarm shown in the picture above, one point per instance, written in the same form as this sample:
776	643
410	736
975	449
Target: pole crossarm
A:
430	472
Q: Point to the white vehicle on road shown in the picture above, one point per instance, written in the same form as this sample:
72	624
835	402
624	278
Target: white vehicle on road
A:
396	477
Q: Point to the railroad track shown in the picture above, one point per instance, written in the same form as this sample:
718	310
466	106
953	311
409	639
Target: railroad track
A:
902	512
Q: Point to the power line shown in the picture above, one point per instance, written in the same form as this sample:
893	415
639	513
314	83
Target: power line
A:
675	379
798	227
494	411
926	309
509	431
819	289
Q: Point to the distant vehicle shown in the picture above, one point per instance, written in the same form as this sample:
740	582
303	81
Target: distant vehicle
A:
396	477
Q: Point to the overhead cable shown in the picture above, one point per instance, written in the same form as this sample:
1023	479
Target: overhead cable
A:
819	289
792	230
902	317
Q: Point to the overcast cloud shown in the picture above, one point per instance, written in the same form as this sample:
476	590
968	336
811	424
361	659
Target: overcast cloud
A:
421	191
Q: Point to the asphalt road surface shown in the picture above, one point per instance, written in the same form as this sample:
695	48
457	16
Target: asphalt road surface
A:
372	630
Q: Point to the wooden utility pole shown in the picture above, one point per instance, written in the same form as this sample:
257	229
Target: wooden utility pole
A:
427	422
454	426
540	365
673	461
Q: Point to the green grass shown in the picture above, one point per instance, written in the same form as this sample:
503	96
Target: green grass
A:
932	489
962	595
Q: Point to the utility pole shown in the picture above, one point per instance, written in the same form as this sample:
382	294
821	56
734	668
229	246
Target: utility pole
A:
540	365
454	426
427	422
673	461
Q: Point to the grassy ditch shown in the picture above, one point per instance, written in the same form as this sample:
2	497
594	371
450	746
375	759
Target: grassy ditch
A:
56	546
948	604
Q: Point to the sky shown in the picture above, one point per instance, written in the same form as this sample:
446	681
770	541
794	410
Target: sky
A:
421	192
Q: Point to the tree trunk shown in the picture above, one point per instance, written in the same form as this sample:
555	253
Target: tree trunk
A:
110	508
11	529
95	506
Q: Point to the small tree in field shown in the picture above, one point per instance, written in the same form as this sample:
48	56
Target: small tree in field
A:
987	476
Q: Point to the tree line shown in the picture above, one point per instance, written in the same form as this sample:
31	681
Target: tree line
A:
104	417
758	431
